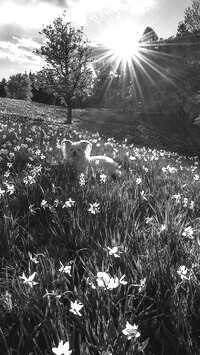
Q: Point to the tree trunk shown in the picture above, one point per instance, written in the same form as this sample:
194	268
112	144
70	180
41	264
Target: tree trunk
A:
69	113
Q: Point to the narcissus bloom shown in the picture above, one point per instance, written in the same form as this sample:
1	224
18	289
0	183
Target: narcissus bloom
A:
94	208
188	232
183	272
33	258
103	177
65	269
62	349
114	251
76	307
29	280
69	203
105	281
131	331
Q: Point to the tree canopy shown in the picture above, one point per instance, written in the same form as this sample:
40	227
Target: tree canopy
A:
192	17
19	87
149	35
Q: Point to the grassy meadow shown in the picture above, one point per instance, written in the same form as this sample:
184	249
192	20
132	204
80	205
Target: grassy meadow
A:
98	266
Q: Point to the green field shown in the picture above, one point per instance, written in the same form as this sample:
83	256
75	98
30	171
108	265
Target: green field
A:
107	267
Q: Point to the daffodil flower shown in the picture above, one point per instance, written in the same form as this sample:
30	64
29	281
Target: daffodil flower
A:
94	208
69	203
33	258
103	178
188	232
66	269
131	331
114	251
183	272
76	307
105	281
62	349
29	280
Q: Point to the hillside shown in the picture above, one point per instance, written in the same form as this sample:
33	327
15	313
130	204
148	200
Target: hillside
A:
148	131
95	265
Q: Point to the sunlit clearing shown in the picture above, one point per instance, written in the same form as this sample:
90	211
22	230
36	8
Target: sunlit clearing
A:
123	41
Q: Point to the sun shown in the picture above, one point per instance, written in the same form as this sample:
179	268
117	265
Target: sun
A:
122	40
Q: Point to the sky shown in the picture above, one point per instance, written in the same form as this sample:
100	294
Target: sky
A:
22	20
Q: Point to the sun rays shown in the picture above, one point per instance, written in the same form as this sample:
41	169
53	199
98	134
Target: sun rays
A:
122	41
134	63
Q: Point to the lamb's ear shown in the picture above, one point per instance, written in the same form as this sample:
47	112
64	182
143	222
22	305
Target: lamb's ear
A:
87	146
65	145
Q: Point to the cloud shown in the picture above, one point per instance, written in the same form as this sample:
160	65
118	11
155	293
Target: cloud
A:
32	14
10	30
61	3
21	51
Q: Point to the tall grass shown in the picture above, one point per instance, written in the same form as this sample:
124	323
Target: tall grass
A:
57	239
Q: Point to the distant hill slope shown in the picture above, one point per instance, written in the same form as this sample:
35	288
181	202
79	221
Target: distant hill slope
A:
108	123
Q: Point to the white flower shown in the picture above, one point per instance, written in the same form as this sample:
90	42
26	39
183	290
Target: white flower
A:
145	169
56	203
7	174
185	202
114	251
196	177
2	192
33	258
44	204
29	180
31	209
188	232
94	208
191	206
162	228
177	198
170	169
29	280
182	272
122	281
62	349
103	177
148	220
69	203
142	285
131	157
66	269
76	307
138	181
113	283
142	194
103	279
131	331
82	180
10	188
106	353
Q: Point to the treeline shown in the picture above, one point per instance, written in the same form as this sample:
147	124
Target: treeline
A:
25	87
